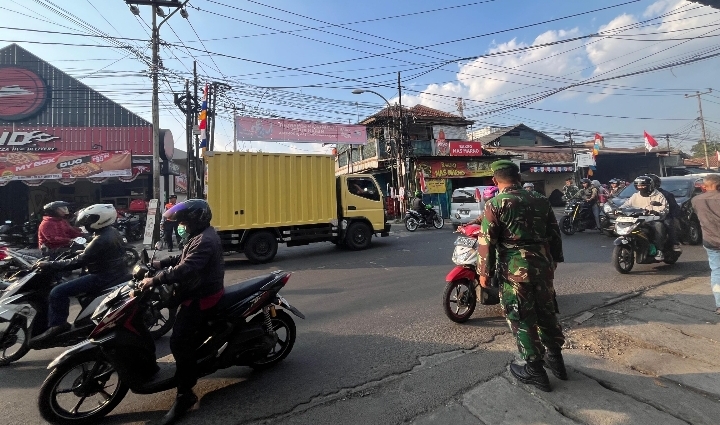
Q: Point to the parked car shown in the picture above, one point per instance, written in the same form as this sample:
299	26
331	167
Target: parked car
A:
465	206
684	188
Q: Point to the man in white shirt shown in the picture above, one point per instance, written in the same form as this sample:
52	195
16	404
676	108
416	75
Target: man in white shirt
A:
650	199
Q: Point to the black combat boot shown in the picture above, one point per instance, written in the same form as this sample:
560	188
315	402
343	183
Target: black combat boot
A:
556	364
532	373
183	404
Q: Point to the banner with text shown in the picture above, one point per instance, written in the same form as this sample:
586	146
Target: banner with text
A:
64	165
454	169
282	130
464	148
435	186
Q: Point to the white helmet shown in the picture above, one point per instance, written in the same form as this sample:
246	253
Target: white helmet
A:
96	216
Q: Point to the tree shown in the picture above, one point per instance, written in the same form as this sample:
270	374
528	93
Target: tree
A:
713	144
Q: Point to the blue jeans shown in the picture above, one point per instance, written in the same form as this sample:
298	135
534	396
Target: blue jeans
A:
59	302
714	260
596	213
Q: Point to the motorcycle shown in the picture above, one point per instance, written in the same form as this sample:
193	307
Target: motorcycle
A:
24	310
24	235
634	244
131	226
248	329
579	217
463	282
414	220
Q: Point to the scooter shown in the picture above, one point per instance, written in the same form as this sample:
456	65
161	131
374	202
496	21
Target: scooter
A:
87	381
414	220
463	283
24	311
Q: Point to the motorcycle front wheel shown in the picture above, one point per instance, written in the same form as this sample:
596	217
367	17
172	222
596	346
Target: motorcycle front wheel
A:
623	259
80	391
411	224
159	321
459	300
567	226
438	222
14	344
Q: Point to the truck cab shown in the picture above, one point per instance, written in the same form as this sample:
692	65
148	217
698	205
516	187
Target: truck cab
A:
361	209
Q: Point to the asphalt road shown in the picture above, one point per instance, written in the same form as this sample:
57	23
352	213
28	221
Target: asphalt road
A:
376	346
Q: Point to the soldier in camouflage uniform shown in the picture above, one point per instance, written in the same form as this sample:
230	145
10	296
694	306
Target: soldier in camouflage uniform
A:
520	236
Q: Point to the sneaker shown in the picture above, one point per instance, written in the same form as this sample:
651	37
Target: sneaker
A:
677	247
659	256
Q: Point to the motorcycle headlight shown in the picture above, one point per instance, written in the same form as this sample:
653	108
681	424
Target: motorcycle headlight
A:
625	229
607	208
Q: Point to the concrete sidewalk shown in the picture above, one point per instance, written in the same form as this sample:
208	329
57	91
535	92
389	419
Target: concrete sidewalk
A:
651	359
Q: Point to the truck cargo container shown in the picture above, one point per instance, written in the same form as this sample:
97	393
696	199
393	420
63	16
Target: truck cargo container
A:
262	199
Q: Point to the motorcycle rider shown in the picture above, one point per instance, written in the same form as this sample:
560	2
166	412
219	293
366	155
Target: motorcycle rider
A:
529	187
673	212
615	187
199	272
591	195
644	197
570	191
54	232
104	257
420	207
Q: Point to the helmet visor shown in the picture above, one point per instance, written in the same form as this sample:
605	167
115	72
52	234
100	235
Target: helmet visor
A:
172	213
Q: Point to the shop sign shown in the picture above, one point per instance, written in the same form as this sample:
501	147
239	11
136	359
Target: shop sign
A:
585	160
150	221
22	93
11	141
64	165
465	148
435	186
181	183
46	139
454	169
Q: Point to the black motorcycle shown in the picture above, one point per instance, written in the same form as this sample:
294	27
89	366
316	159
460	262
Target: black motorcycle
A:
20	235
131	226
634	244
89	380
579	217
414	220
24	314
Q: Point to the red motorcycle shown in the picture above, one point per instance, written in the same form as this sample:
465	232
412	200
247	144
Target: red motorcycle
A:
463	283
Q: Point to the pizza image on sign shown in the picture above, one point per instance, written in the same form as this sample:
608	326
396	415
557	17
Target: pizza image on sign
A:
85	170
17	158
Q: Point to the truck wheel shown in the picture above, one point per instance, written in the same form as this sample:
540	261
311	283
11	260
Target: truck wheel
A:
358	236
261	247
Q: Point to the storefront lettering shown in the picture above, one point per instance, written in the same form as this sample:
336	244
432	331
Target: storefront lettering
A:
21	138
35	164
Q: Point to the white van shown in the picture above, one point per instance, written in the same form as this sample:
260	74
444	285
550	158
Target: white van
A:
465	205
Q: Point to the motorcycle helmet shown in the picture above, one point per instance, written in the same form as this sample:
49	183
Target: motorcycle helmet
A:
644	185
418	194
614	181
583	181
195	214
489	193
56	209
656	180
529	186
96	216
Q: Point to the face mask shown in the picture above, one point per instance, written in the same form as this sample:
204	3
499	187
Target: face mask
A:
182	232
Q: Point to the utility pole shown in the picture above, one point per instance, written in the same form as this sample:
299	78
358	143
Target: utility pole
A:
667	139
403	182
569	135
702	123
234	128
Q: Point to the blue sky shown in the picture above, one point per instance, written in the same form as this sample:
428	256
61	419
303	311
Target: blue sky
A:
301	59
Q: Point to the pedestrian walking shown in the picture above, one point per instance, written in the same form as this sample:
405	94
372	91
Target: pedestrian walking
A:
520	236
170	227
707	209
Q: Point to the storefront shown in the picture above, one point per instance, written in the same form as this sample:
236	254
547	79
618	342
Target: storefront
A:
61	140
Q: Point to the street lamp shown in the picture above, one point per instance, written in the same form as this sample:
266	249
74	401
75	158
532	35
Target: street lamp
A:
397	140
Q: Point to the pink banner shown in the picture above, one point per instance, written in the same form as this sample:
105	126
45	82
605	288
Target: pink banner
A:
281	130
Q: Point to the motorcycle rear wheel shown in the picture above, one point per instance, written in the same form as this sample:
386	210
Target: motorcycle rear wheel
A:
459	300
623	259
438	222
86	382
567	226
284	327
411	224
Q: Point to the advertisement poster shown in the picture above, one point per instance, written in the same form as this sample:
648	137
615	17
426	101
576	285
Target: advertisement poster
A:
64	165
181	183
465	148
150	223
448	169
282	130
435	185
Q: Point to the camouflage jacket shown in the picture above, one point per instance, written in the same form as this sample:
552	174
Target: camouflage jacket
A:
520	236
570	192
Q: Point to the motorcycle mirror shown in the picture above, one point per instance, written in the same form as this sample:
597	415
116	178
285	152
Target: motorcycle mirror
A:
144	256
80	241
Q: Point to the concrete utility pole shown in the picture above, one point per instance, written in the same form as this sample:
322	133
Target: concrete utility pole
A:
667	139
234	108
702	123
569	135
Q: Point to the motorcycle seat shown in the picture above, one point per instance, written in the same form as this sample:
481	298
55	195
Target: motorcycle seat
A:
241	290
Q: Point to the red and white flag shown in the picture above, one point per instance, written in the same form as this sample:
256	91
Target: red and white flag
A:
650	142
423	187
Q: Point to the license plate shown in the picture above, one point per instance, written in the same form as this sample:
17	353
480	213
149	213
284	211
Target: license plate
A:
466	242
625	220
464	212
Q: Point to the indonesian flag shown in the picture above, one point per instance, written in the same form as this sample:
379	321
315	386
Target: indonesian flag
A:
650	142
423	187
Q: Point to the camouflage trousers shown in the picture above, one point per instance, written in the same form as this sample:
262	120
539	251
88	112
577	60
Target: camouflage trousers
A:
530	310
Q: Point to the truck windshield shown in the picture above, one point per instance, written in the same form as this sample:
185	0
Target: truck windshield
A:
363	187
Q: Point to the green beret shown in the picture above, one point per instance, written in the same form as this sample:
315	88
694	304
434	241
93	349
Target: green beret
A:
503	163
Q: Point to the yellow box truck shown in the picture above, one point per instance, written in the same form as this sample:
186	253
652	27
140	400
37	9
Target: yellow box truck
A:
259	200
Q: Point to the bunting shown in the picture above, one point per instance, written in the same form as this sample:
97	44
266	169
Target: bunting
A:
202	118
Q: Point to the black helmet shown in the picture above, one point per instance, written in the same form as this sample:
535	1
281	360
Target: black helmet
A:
614	181
655	178
588	181
194	213
52	208
648	186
